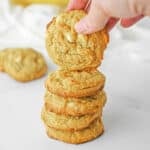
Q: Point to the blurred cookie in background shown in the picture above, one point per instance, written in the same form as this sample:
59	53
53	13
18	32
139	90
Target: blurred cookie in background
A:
3	54
23	64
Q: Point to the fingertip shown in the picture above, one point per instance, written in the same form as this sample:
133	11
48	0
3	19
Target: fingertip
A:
130	21
79	28
125	23
82	27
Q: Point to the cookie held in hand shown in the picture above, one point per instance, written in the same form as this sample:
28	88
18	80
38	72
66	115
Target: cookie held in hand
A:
71	50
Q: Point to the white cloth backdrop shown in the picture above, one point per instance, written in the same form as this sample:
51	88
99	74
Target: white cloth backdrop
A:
127	69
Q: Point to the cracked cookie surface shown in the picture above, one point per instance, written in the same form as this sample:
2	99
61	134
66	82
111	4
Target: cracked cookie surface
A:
75	106
93	131
67	122
75	83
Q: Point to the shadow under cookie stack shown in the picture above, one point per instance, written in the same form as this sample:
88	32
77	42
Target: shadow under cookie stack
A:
74	96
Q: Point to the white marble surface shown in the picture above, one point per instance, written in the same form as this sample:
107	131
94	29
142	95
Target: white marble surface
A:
126	66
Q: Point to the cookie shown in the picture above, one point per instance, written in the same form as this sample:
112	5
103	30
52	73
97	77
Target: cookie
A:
70	50
25	64
70	123
75	106
3	54
93	131
75	83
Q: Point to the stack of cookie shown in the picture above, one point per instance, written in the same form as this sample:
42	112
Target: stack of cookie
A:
74	96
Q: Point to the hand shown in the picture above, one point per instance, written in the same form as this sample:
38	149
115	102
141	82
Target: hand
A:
108	12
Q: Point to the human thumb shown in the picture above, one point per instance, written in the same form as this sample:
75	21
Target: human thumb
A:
94	21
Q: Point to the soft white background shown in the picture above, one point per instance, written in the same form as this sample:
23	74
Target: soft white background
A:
127	69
